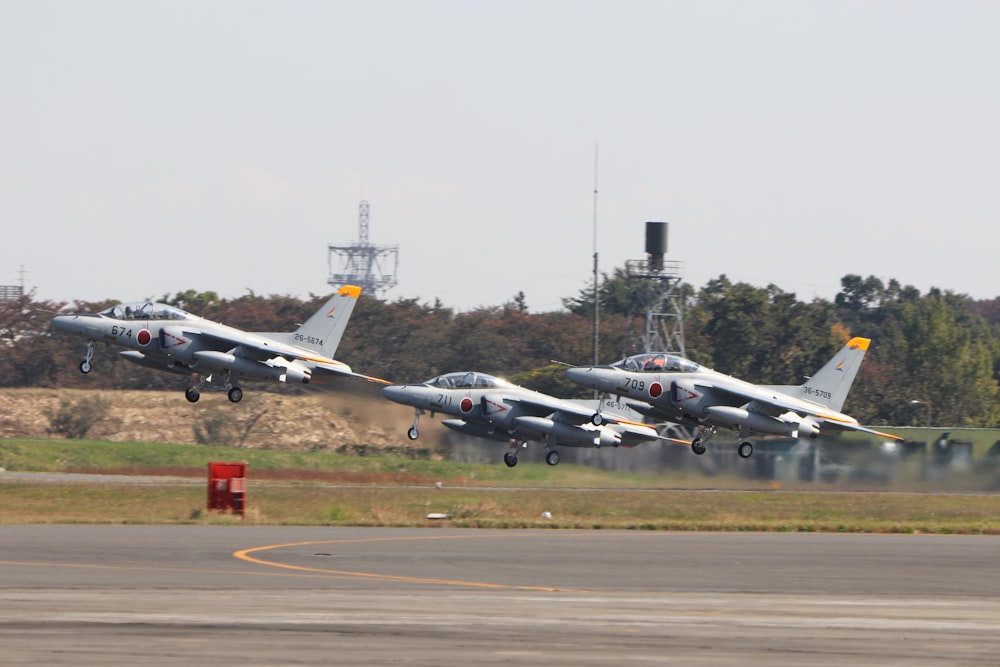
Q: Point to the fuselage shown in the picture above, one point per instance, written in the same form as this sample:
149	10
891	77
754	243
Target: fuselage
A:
162	336
489	407
687	393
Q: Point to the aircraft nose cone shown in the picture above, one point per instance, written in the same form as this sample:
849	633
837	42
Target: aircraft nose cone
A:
584	375
398	393
70	323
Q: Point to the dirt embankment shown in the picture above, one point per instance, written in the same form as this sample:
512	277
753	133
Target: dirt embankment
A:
268	420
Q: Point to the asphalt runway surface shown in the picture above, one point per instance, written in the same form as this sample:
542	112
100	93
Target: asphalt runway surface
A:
204	595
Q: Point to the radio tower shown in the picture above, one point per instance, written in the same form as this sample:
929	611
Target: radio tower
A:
362	263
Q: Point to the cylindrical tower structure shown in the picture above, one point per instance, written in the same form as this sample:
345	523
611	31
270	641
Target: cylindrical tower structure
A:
656	244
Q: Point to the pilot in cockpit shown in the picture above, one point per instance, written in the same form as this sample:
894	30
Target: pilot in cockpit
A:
655	363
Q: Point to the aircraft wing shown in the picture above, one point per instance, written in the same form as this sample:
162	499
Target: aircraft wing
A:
339	369
838	424
563	410
633	435
579	412
259	348
767	401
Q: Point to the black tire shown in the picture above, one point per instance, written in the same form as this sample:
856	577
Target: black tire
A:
697	447
192	394
552	458
745	449
85	367
235	394
413	433
510	459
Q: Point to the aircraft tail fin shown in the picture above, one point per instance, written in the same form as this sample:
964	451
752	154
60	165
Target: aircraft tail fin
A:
832	383
322	332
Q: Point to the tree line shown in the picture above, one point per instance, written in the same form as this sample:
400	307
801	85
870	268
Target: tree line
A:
939	348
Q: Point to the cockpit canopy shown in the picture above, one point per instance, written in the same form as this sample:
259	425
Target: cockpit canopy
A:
658	362
466	380
146	310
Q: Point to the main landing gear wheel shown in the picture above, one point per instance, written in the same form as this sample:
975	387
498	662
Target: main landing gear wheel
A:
510	458
192	394
235	394
413	433
597	419
85	367
697	447
552	457
745	449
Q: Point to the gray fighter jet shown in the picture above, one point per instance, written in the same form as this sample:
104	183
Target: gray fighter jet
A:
491	408
170	339
670	387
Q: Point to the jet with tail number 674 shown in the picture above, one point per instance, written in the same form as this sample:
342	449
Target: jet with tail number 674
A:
667	386
170	339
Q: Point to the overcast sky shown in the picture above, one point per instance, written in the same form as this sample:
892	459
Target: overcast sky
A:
152	147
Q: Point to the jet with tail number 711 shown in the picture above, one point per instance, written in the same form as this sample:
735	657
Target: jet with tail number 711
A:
491	408
170	339
670	387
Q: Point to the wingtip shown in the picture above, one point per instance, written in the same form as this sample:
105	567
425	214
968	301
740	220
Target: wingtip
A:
350	290
858	343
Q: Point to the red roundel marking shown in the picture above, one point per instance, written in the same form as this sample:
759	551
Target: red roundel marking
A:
143	337
466	404
655	389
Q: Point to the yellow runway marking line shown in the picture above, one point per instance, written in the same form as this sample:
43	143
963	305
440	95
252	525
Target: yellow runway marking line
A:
190	570
245	554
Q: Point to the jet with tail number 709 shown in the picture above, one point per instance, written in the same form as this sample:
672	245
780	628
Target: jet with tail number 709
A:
670	387
170	339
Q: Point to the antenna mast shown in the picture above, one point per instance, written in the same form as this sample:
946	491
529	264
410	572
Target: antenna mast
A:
597	294
361	263
14	292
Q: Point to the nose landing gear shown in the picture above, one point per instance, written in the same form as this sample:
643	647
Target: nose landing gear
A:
86	366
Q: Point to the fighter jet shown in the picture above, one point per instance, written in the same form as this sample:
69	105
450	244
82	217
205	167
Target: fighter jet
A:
671	387
170	339
491	408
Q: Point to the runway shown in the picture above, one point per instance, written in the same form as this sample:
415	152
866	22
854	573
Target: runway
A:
199	595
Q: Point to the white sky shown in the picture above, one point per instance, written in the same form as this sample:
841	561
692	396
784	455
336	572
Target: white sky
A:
152	147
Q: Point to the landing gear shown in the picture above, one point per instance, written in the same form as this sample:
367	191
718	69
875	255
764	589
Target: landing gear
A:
510	456
597	418
552	457
193	392
743	448
414	432
700	443
86	366
235	394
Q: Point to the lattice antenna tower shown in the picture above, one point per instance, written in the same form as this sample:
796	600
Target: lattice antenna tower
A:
664	321
14	292
371	267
